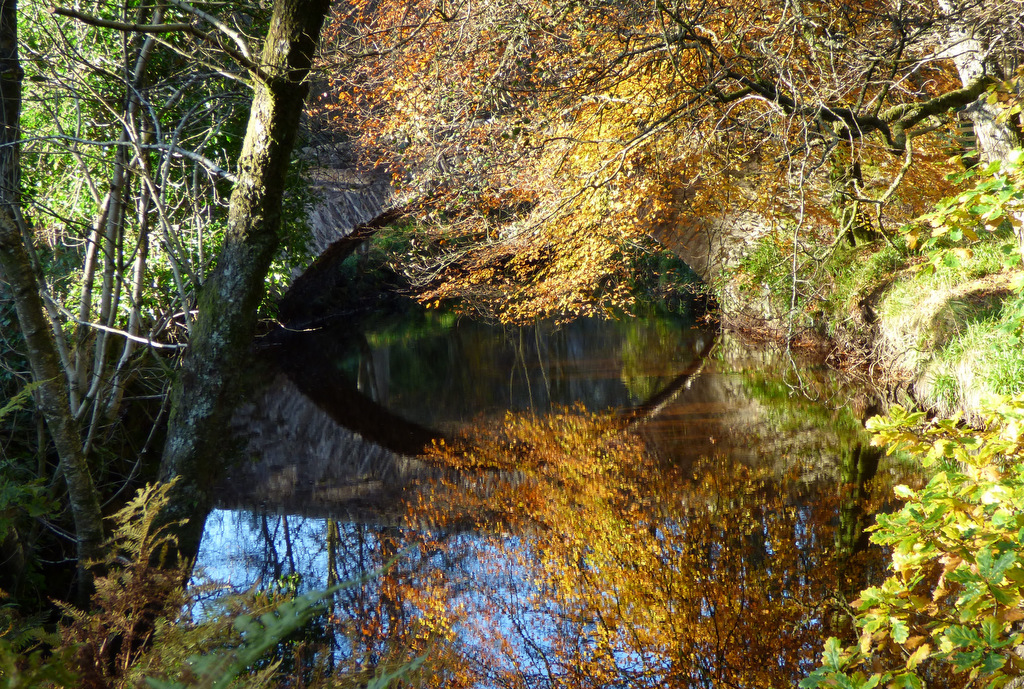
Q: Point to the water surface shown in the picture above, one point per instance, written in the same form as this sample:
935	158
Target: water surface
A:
606	504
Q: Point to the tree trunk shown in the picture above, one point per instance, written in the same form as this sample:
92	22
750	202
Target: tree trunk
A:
16	268
972	52
207	387
972	46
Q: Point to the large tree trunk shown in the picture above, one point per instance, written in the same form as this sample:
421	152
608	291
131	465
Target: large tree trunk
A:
16	268
974	46
973	52
206	389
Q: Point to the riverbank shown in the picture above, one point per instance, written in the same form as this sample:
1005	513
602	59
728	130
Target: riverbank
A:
940	330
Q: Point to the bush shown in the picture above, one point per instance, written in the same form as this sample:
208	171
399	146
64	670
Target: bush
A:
956	587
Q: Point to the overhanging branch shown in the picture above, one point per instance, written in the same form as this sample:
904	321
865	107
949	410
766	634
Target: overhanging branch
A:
165	28
904	116
893	124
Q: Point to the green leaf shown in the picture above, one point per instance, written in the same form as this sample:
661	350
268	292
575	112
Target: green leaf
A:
992	632
832	658
871	682
900	630
905	492
906	681
962	637
992	662
993	569
966	660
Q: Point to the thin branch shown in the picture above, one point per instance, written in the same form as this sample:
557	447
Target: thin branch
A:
239	40
170	148
234	53
107	328
121	26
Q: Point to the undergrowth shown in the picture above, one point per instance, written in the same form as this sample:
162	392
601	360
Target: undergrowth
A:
143	628
938	306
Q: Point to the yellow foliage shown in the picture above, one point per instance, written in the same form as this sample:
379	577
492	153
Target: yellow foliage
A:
601	122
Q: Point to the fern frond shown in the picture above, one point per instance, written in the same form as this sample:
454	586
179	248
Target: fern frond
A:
135	536
20	400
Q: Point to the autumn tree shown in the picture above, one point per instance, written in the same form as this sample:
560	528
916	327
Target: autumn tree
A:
553	135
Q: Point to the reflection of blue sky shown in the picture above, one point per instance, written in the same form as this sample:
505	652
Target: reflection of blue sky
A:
495	592
493	582
245	549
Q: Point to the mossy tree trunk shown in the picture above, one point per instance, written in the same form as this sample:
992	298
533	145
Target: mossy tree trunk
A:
16	268
207	387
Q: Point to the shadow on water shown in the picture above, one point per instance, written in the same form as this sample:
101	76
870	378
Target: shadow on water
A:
607	504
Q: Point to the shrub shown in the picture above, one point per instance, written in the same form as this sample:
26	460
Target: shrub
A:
956	587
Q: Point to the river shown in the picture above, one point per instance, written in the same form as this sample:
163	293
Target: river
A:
611	503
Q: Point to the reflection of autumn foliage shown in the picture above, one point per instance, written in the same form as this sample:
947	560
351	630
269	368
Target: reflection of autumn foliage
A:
592	565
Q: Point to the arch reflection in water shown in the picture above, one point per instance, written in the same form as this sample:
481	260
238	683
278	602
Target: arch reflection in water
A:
703	544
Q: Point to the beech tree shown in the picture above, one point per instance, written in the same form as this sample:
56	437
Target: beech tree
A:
553	134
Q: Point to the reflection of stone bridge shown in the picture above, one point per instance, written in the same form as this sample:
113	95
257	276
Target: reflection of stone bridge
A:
302	460
318	446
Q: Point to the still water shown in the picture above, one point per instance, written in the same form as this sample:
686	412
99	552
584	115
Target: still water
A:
634	503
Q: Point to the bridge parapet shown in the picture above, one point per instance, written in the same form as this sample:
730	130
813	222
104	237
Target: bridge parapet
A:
343	199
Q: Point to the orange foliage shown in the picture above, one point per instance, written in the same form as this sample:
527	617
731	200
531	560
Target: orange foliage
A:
592	565
561	132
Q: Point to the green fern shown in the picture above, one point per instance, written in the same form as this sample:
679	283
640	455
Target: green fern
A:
20	400
260	635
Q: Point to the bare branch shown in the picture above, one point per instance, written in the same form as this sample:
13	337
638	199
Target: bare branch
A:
239	40
234	53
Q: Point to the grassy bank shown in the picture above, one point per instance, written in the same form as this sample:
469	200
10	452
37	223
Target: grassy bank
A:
935	310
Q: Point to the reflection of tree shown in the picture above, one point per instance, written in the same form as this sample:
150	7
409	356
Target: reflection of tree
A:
859	464
586	556
590	561
624	573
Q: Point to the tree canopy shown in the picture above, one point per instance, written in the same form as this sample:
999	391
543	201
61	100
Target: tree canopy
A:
549	136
